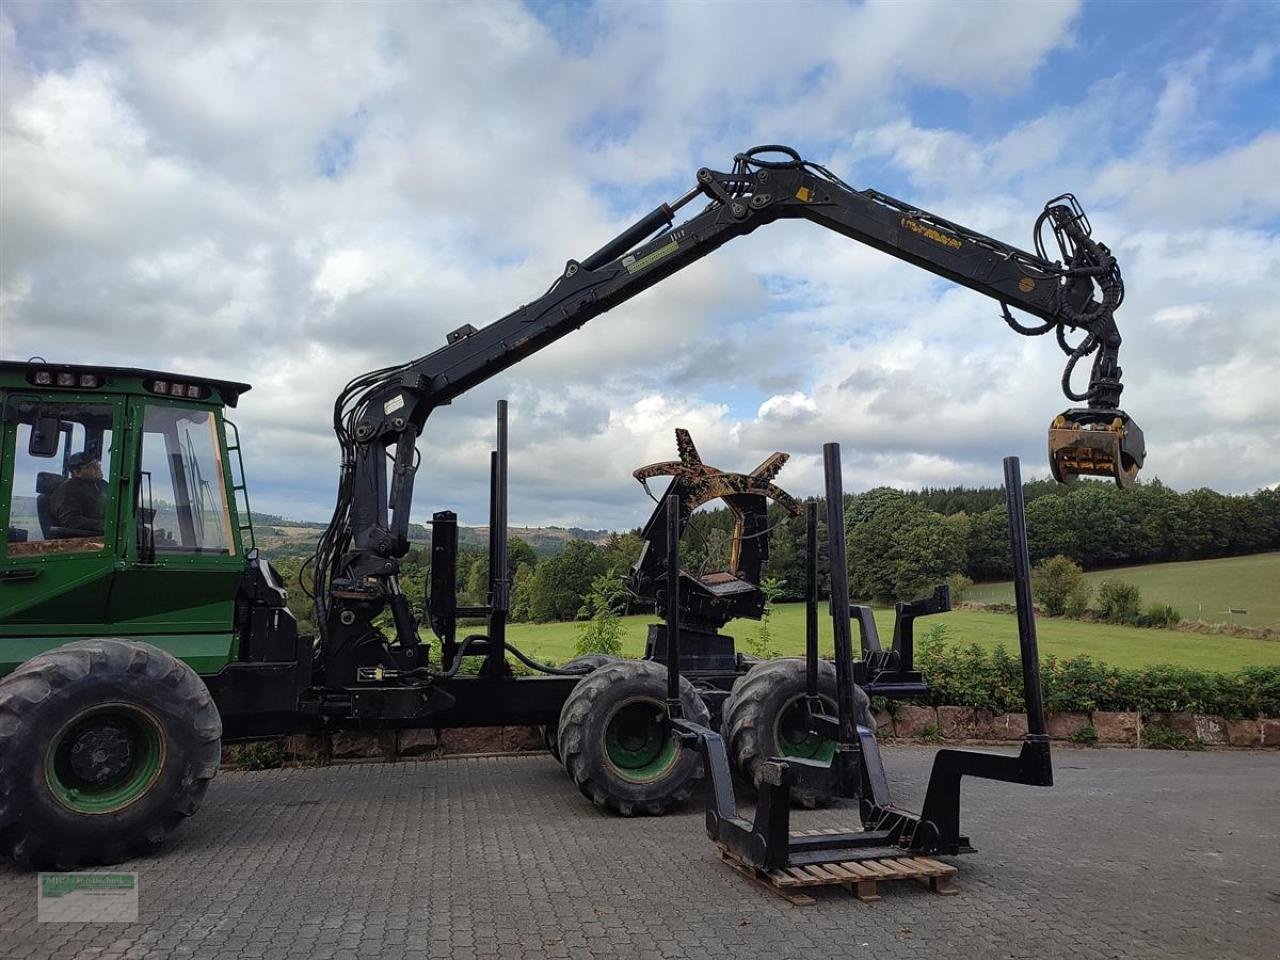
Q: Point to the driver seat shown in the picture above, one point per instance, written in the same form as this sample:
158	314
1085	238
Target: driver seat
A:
46	483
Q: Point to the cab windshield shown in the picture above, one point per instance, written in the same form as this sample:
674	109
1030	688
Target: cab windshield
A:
181	491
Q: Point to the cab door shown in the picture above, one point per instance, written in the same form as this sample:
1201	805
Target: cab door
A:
55	580
183	558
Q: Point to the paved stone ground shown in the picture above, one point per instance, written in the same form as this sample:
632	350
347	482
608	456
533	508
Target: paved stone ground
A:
1134	854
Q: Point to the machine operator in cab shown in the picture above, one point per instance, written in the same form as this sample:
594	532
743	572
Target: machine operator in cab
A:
77	505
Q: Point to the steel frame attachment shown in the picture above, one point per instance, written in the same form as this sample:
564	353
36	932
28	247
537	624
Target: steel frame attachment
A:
856	771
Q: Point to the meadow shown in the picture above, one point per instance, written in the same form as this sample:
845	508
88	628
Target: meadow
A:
1199	589
1117	646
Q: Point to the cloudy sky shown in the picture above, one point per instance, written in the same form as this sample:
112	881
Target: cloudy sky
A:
293	193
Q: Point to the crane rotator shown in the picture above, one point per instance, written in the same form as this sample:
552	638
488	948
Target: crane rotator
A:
709	600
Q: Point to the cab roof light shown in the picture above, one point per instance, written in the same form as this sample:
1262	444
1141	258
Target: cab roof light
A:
65	378
169	388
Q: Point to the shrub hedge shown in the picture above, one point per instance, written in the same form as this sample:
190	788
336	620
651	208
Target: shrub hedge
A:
1119	601
974	676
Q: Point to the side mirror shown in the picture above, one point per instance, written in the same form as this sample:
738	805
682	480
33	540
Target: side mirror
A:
45	437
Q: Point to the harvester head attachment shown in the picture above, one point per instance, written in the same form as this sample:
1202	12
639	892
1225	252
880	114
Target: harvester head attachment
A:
1097	443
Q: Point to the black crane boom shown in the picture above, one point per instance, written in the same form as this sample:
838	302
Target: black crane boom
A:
385	411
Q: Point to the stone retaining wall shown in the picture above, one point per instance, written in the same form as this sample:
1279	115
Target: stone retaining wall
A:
909	722
1131	728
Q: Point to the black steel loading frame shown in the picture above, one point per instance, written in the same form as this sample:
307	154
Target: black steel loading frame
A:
856	771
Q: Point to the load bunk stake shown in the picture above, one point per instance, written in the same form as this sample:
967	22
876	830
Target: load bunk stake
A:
765	845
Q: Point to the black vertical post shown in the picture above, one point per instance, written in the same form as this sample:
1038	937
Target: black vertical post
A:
811	602
502	580
673	607
442	603
493	514
1022	594
904	638
839	578
499	595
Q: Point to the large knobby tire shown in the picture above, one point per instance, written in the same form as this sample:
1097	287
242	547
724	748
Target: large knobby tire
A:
105	746
764	718
587	663
618	746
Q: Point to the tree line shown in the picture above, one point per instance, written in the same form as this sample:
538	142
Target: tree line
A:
900	543
543	589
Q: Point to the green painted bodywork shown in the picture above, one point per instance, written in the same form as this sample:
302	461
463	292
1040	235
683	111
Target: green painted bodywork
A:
183	603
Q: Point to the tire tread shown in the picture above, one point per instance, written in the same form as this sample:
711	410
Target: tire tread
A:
572	741
742	719
42	677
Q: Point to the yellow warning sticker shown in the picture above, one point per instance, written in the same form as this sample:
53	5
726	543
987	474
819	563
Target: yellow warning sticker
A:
648	260
932	233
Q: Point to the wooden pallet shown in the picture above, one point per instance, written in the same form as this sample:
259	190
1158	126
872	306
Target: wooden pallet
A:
859	877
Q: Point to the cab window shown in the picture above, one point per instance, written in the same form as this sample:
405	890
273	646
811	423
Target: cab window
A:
182	495
62	477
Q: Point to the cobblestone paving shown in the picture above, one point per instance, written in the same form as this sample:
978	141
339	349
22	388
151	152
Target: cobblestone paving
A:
1134	854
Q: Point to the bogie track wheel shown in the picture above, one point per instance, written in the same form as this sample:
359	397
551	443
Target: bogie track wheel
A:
765	717
617	742
105	746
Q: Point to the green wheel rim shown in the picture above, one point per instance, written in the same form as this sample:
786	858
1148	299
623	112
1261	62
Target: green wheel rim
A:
638	743
793	737
104	758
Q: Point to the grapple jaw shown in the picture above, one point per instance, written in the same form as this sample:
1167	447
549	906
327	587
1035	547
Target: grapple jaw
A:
1095	443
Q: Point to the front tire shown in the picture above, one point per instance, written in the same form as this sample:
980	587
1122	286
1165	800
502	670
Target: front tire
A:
764	717
618	745
105	746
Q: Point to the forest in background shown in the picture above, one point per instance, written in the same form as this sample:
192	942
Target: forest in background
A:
900	543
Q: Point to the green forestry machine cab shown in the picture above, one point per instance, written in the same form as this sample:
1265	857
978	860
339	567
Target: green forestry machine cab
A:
140	628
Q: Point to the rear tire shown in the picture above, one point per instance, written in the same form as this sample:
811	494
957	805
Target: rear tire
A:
587	663
763	718
105	746
617	745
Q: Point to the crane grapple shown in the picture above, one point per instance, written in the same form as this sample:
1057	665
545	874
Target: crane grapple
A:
1099	443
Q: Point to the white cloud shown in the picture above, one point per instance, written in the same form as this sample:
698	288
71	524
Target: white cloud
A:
789	406
1236	186
1182	315
293	195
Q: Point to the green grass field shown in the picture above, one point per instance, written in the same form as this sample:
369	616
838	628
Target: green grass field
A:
1118	646
1199	589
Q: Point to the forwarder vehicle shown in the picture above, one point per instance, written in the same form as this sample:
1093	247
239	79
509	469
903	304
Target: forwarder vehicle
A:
133	648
